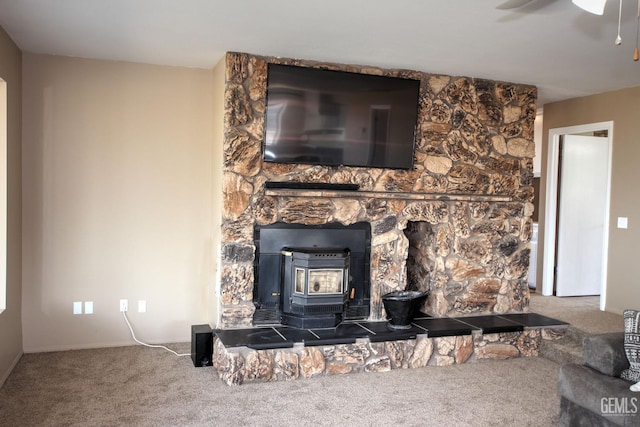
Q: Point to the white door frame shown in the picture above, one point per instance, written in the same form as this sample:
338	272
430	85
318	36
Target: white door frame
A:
551	208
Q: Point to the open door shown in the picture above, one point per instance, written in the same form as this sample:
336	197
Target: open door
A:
581	215
571	249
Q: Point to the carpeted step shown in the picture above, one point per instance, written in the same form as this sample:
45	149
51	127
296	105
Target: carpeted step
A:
562	351
577	335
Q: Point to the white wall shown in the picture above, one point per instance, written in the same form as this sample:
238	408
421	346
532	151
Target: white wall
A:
117	203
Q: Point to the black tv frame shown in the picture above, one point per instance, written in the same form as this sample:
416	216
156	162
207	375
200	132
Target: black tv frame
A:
334	82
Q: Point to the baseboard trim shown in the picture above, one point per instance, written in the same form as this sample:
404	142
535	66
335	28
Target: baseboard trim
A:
4	377
93	346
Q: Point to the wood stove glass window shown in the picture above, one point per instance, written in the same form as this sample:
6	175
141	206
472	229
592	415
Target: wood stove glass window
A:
300	280
326	281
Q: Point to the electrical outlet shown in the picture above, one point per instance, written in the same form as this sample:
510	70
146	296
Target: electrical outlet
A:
77	307
142	306
124	305
88	307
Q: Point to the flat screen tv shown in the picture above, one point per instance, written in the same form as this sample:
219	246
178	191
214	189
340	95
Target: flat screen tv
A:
335	118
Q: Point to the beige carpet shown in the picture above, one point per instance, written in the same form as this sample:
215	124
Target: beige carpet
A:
582	313
138	386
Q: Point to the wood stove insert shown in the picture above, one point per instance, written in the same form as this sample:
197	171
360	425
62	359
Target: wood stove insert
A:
311	276
315	287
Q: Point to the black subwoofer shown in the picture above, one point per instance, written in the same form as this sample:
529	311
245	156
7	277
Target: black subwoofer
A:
201	345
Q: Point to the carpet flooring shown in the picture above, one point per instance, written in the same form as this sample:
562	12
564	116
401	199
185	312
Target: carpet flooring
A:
139	386
582	313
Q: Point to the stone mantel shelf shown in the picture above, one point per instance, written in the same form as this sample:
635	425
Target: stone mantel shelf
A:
280	192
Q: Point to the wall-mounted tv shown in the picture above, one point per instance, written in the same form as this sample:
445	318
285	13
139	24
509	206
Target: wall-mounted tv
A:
334	118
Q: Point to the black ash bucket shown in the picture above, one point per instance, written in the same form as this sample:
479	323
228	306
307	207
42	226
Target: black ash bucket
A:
402	306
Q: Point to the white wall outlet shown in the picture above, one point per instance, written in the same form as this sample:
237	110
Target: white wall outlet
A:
142	306
124	305
88	307
77	307
623	222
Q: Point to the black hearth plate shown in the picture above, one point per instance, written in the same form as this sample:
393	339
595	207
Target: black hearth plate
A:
296	335
348	332
345	333
422	315
255	338
381	332
533	320
444	327
492	324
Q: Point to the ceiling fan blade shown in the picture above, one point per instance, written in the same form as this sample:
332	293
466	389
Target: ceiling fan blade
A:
512	4
592	6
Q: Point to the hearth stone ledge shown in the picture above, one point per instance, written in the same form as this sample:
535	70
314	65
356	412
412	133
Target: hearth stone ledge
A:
238	365
389	195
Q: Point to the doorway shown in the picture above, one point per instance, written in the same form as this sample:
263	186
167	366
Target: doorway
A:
585	171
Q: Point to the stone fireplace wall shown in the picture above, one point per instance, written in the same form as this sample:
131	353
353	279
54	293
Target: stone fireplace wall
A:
470	191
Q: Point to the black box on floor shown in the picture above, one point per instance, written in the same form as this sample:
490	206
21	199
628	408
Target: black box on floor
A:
201	345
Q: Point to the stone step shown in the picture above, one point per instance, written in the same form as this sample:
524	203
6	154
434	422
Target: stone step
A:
563	351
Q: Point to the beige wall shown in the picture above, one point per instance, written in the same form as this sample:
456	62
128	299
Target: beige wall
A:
10	319
623	108
218	146
117	200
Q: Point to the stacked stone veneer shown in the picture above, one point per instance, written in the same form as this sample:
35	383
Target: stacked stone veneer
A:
470	188
240	364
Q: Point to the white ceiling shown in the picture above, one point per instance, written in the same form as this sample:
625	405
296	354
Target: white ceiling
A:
552	44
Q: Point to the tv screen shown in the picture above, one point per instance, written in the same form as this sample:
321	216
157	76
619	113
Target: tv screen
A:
338	118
